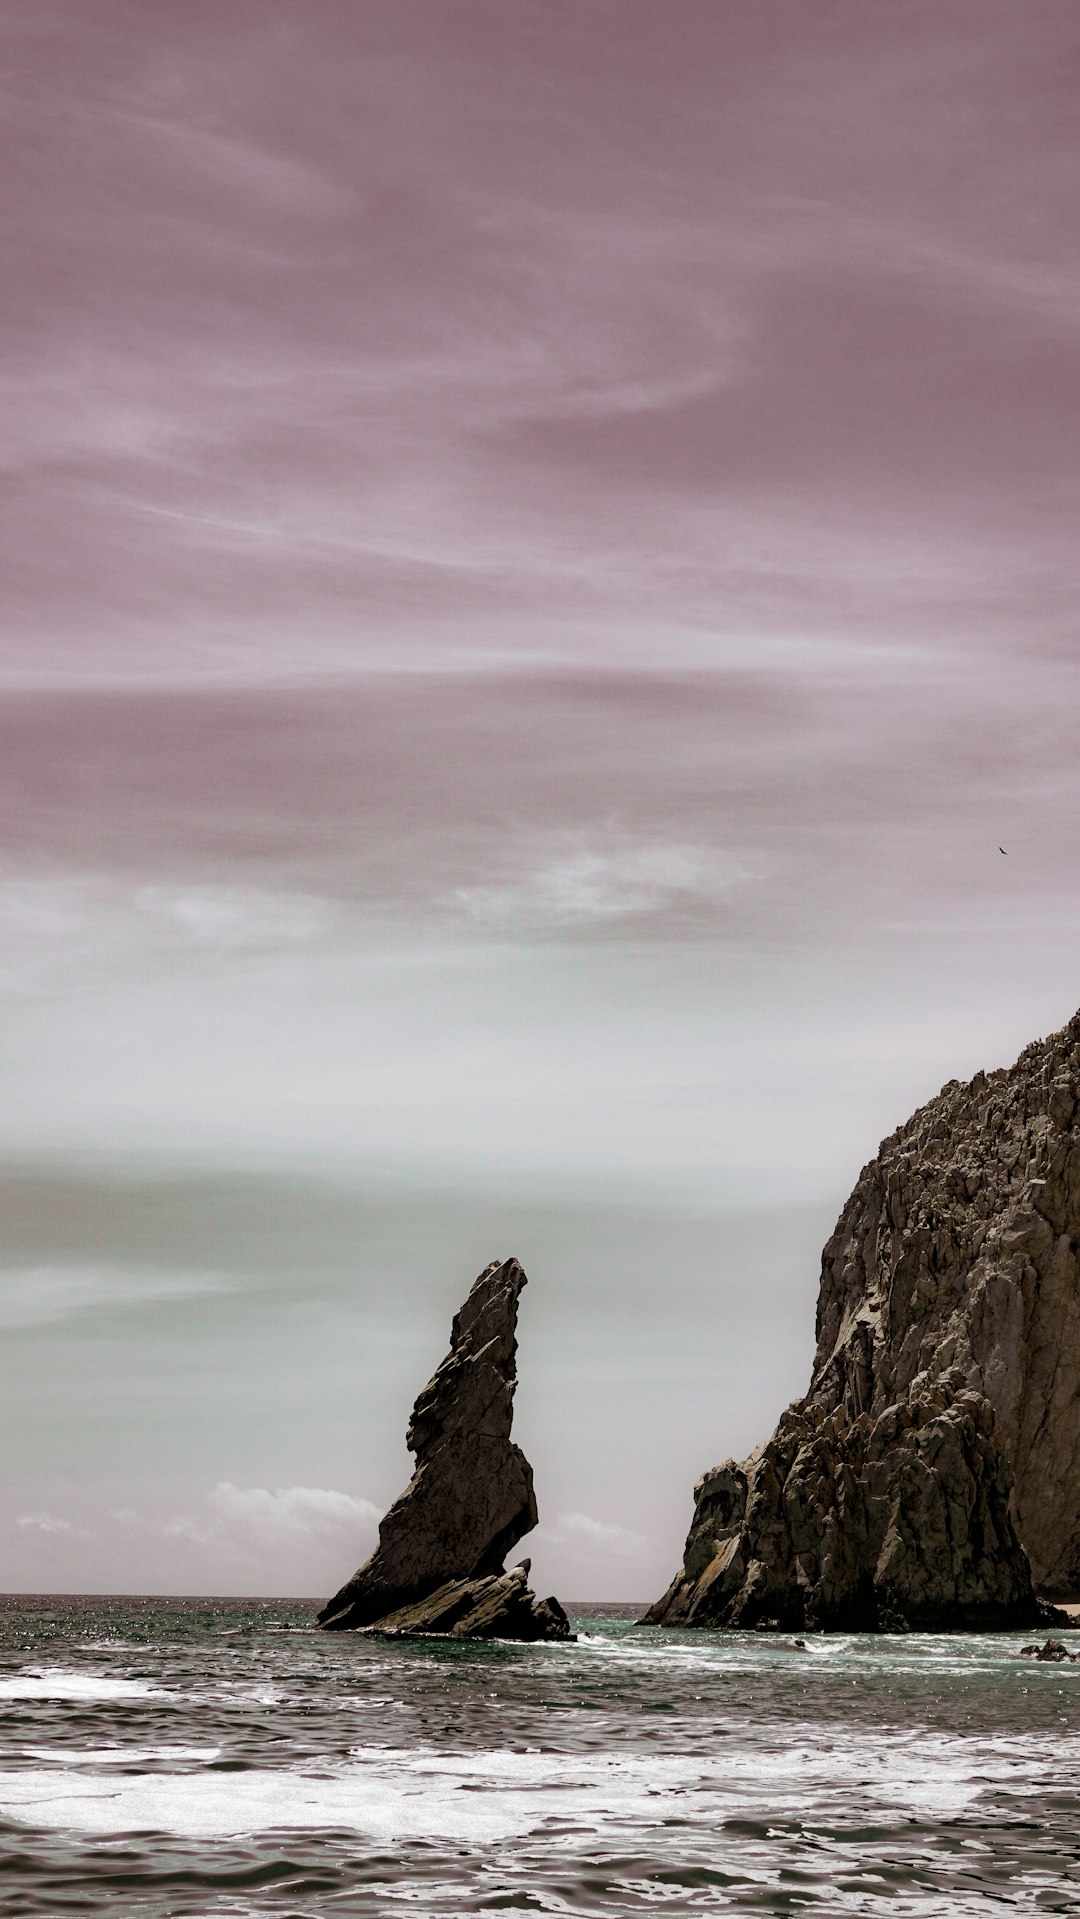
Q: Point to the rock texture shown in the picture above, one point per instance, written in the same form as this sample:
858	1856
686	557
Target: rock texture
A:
498	1607
931	1475
438	1566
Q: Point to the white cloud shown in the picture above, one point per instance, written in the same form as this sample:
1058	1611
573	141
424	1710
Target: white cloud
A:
85	927
288	1512
248	1522
46	1295
584	884
51	1525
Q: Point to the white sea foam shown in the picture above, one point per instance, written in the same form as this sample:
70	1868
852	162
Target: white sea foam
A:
387	1797
481	1798
46	1683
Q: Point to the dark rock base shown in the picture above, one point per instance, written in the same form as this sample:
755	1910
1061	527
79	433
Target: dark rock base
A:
900	1524
498	1607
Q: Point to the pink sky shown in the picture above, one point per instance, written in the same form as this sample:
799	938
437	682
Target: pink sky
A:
539	567
351	333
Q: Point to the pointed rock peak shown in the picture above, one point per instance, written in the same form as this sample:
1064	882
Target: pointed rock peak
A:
489	1315
483	1344
470	1498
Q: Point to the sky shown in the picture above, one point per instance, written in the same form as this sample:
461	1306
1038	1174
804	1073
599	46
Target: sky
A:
538	572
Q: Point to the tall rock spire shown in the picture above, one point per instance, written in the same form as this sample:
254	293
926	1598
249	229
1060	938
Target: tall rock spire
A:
470	1498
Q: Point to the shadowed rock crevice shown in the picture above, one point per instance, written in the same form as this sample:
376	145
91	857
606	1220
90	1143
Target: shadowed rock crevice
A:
931	1475
438	1566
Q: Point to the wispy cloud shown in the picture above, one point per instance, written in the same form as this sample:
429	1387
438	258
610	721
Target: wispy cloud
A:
47	1295
285	1538
456	348
84	926
586	881
51	1526
247	1522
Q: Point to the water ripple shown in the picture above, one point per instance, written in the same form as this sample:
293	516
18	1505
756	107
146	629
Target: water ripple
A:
161	1759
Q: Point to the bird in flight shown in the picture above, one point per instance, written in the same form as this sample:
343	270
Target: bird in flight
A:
1001	849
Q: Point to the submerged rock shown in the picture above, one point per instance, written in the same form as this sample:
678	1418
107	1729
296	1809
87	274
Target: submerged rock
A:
931	1475
438	1566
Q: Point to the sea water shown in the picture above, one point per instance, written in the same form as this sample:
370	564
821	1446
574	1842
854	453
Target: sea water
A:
197	1757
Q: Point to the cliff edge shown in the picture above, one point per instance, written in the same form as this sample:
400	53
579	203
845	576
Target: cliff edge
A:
930	1478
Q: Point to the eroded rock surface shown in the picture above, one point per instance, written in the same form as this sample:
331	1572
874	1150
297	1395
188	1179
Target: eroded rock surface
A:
438	1566
498	1607
931	1475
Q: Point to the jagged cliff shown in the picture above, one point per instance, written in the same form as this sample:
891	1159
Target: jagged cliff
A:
931	1475
438	1566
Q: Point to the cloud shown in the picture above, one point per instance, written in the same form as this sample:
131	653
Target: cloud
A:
507	342
255	1538
246	1523
289	1512
51	1525
47	1295
232	167
78	926
587	884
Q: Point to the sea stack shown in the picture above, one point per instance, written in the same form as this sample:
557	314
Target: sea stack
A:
438	1566
930	1478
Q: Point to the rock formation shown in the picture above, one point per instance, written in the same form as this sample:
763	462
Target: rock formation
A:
438	1566
931	1475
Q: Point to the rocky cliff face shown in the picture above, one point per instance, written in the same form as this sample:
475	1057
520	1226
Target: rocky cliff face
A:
438	1566
931	1475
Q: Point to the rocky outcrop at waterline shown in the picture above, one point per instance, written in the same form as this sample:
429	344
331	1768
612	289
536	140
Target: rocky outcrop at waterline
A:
438	1566
498	1607
930	1478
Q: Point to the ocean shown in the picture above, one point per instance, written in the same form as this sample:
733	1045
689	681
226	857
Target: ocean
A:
197	1757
